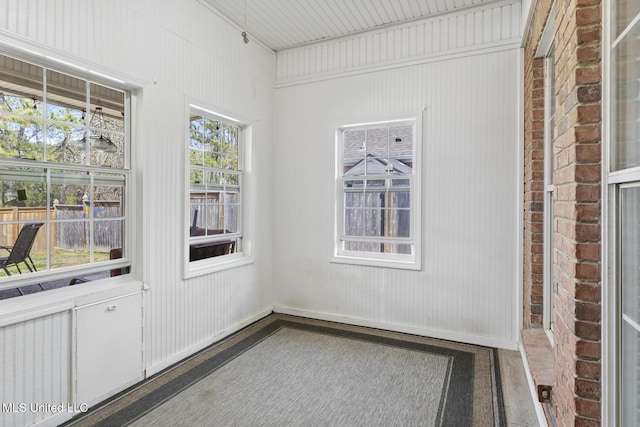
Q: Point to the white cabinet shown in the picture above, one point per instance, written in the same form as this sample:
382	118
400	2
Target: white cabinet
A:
108	347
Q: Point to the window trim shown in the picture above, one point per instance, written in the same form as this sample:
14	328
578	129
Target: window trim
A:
398	261
49	59
244	256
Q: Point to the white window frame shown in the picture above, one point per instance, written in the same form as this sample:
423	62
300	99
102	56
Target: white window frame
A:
612	183
545	51
400	261
88	72
243	254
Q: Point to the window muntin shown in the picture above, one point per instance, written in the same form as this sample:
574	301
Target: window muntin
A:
376	218
215	186
54	170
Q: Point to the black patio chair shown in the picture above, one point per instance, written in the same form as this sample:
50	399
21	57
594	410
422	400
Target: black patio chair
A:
19	252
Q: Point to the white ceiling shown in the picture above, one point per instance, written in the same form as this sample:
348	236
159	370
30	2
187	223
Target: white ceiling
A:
281	24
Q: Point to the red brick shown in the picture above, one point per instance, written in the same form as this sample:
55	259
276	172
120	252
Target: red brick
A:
587	292
587	388
588	15
588	330
588	408
587	75
587	133
588	34
588	152
587	369
588	311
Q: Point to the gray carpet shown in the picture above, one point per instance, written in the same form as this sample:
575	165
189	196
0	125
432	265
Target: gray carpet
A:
289	371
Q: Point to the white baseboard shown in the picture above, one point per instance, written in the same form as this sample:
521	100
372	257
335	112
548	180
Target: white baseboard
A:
426	332
154	369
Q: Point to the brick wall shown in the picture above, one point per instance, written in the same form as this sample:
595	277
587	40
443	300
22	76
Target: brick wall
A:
577	202
534	171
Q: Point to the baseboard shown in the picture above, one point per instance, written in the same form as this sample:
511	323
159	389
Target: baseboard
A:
425	332
154	369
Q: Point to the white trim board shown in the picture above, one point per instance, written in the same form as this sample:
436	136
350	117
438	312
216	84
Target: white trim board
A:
180	357
414	330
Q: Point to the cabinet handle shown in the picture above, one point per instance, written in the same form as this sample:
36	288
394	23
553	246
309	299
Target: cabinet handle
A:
112	307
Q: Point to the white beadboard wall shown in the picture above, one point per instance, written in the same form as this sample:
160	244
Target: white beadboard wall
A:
35	366
173	51
467	288
471	30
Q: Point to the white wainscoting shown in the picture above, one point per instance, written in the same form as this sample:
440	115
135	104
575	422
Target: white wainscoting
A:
467	288
35	366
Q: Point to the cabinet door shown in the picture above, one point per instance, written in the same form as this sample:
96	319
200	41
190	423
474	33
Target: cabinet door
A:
109	347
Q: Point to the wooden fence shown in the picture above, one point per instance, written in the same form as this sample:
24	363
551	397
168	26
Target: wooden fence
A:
68	235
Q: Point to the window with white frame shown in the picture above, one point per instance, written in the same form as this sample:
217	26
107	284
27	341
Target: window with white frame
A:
215	176
622	147
64	172
378	208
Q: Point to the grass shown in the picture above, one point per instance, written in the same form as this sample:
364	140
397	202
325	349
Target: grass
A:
59	258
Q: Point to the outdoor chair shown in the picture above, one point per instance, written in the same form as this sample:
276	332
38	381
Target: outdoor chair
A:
19	252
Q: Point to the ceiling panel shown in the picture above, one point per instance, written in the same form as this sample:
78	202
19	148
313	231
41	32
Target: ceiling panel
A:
281	24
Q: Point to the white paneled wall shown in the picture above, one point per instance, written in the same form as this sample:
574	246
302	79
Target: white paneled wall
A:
467	289
489	27
35	367
173	52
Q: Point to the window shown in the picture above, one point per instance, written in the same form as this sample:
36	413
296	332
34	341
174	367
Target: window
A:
622	147
215	181
63	171
546	50
378	206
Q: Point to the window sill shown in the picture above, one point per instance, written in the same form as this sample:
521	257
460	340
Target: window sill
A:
31	306
212	265
376	262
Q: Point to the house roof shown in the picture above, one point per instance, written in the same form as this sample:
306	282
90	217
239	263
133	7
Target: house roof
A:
378	166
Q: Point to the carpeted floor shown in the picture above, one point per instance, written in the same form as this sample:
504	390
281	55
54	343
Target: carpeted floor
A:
291	371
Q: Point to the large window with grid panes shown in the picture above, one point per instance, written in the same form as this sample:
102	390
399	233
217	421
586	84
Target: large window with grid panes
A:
215	190
378	208
64	175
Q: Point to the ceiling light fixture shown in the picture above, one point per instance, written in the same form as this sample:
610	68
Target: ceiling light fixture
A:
101	142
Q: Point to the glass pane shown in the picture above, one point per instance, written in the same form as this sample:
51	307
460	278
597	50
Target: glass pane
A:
107	128
354	147
70	243
625	12
630	292
107	235
401	143
374	222
24	188
21	138
11	236
378	142
354	222
392	248
21	110
231	212
353	200
399	224
625	143
108	201
65	144
630	252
